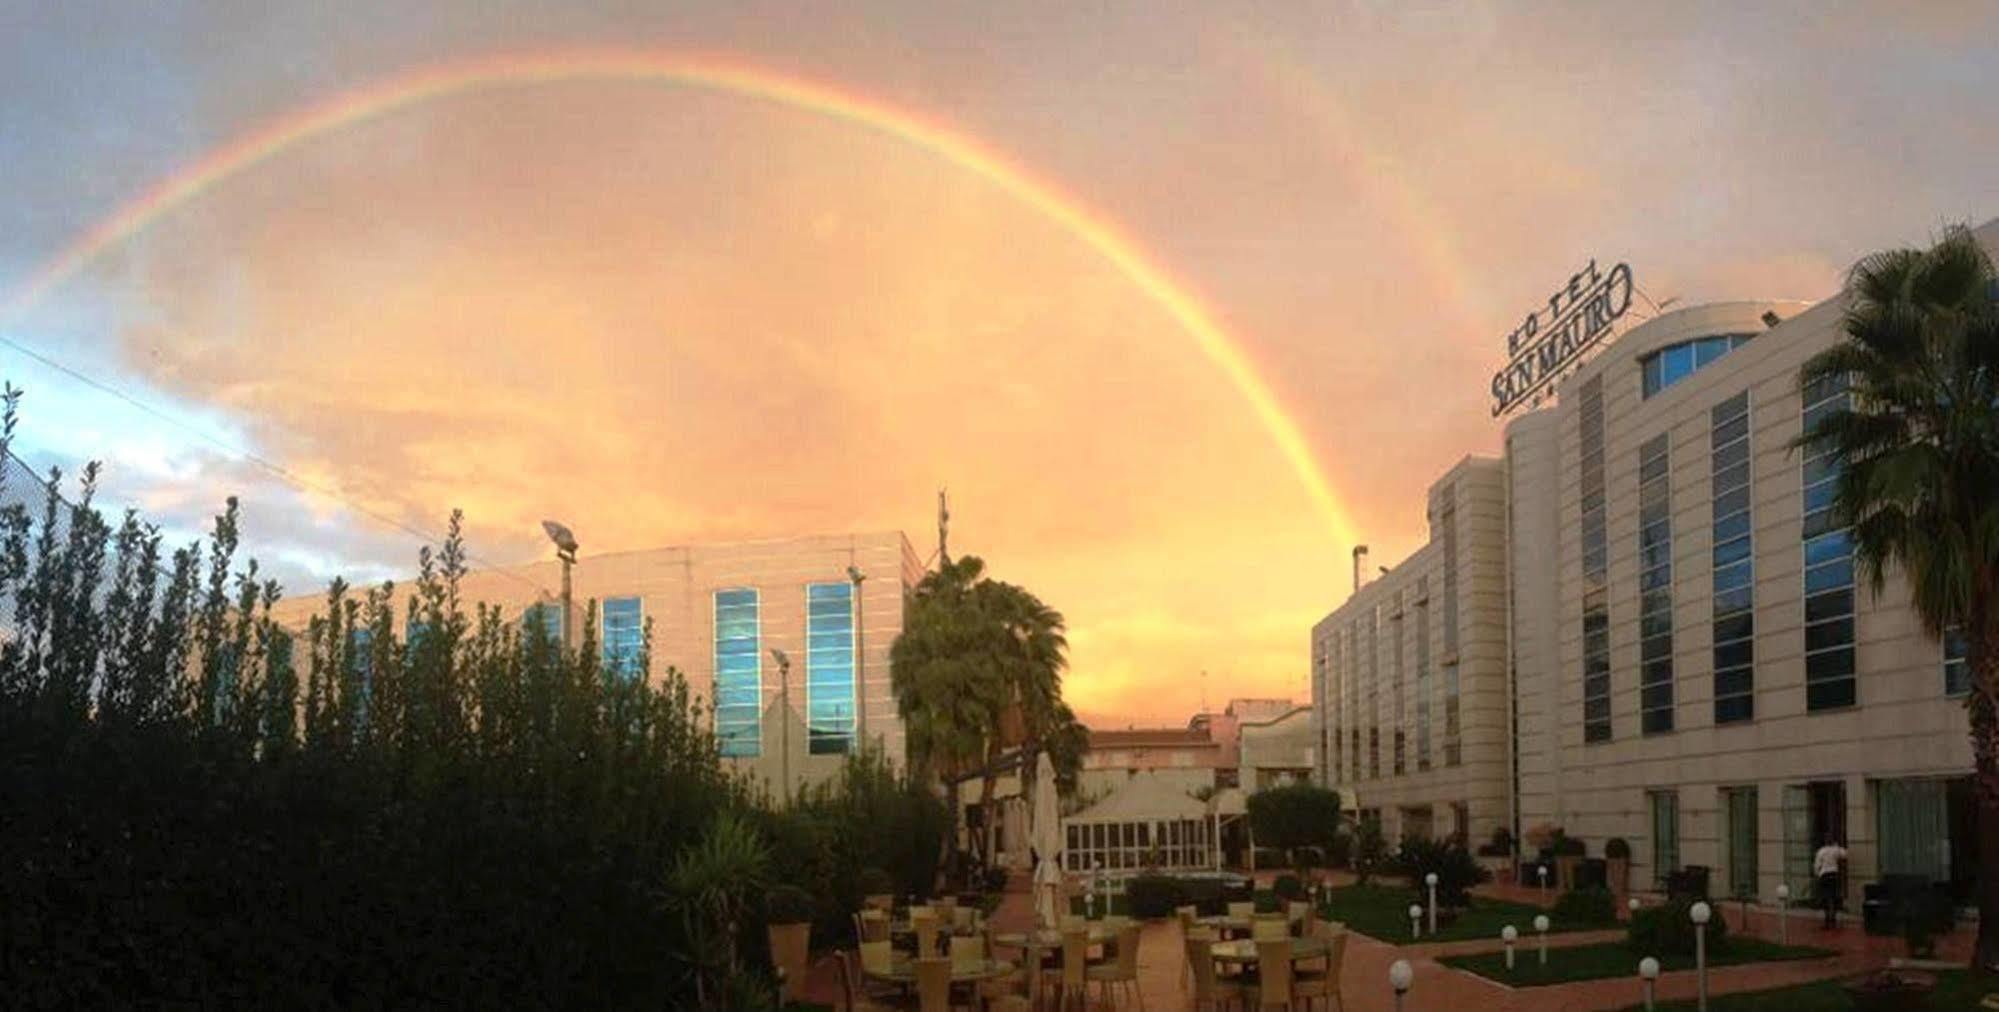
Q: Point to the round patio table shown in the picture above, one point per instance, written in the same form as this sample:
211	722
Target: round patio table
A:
1096	933
902	970
1230	924
1243	950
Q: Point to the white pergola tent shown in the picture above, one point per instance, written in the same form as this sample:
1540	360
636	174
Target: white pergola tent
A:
1150	820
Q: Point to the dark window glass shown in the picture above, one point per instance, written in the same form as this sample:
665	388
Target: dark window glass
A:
1830	695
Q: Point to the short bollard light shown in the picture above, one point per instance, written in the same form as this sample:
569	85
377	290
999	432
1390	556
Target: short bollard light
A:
1431	881
1400	976
1415	921
1508	934
1632	905
1700	914
1648	971
1541	926
1542	870
1783	914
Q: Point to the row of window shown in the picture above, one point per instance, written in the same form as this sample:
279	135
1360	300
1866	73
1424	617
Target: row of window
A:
1596	572
1675	362
1734	563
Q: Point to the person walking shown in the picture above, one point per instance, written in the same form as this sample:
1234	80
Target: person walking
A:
1825	866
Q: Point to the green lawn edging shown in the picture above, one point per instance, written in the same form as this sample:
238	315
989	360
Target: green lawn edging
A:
1614	959
1381	912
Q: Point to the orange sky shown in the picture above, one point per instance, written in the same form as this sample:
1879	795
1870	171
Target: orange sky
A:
666	316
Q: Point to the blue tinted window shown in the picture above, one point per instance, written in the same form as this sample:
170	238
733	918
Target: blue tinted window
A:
829	667
545	617
1829	662
1675	362
738	673
624	635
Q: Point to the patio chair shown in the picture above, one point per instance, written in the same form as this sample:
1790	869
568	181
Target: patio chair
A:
875	957
1243	909
871	926
1269	926
929	936
857	997
1323	984
884	902
933	985
1272	985
1209	991
1068	975
1185	915
1121	971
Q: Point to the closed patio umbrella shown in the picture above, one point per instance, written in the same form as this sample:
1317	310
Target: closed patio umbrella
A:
1047	843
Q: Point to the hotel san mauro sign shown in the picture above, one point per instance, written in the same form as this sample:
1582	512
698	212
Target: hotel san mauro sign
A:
1547	345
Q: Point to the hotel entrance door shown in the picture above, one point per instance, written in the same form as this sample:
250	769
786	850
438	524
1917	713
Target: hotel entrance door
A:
1813	813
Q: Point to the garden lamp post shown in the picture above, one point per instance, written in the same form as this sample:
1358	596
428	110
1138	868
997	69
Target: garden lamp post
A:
565	549
1415	921
860	661
1700	914
1400	976
1783	914
1648	971
1542	870
1632	905
1541	928
1507	934
784	718
1431	881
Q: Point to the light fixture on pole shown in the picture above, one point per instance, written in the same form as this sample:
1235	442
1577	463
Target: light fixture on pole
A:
1542	870
1541	928
1400	976
565	549
1509	934
783	718
1431	881
860	662
1415	921
1632	905
1783	914
1648	971
1700	914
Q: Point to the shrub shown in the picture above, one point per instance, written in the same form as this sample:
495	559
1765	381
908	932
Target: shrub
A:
1586	906
1501	844
1339	850
1617	849
1668	929
1568	846
1288	887
1370	850
788	904
1455	870
876	882
1543	835
1153	896
1293	816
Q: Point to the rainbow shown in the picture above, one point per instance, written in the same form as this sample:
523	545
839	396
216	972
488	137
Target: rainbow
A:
730	77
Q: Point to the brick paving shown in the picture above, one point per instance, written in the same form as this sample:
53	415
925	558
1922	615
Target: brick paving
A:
1438	987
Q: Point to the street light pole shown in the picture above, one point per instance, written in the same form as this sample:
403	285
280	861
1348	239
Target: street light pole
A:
1699	915
565	549
783	720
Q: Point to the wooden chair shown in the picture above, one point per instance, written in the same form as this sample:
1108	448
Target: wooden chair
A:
1299	913
1068	975
1323	985
884	902
933	985
871	926
1273	976
1121	971
875	957
1269	926
929	936
857	997
1185	915
1242	909
1209	991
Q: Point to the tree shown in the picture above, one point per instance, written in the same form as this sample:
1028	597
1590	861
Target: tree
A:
1918	442
1298	815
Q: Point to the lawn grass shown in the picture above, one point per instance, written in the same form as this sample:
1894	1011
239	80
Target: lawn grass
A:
1957	991
1613	959
1382	912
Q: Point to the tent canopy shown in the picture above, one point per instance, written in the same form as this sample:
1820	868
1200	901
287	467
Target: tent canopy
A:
1144	797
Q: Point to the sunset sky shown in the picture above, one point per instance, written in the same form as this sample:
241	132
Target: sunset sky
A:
962	252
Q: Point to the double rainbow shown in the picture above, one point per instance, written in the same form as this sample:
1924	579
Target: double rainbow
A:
734	78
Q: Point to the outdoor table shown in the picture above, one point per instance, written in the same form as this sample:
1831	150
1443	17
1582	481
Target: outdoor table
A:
902	970
1097	933
1240	925
909	928
1243	950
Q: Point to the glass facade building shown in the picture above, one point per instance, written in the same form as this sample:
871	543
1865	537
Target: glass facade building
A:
738	673
829	667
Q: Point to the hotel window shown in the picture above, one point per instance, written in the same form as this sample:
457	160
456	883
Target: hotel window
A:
829	667
1956	670
1655	587
1595	563
1675	362
1734	563
361	662
738	673
1422	675
546	617
1665	807
1338	712
1830	681
1353	696
1401	714
624	635
1374	693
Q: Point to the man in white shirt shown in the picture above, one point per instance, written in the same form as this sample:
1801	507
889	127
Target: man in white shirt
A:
1825	866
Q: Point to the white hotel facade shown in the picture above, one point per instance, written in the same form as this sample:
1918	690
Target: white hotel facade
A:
1694	665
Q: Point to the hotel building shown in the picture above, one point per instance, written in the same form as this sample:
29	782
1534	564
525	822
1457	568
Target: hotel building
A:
718	612
1695	666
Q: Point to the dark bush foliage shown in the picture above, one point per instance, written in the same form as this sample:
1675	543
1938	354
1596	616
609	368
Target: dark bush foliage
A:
1569	846
1370	850
1668	929
1586	906
1456	871
1288	887
1293	816
1616	848
1152	896
1500	845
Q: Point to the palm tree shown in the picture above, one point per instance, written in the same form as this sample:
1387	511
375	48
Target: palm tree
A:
1028	646
1919	488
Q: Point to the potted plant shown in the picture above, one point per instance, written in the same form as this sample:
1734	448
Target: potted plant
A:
1569	851
1617	867
788	922
877	889
1496	855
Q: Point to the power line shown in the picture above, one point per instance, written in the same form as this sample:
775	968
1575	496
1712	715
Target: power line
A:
281	472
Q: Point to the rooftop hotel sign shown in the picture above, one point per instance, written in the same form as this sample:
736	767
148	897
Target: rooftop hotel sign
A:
1540	351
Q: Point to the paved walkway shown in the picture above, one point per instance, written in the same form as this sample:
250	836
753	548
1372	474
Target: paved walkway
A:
1438	987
